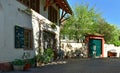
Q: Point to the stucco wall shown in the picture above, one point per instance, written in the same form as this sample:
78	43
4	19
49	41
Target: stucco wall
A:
67	47
107	47
43	16
9	17
110	47
45	25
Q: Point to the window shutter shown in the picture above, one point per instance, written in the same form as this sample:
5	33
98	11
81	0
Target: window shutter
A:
19	37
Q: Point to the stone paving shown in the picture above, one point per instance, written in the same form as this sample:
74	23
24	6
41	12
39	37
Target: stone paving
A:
109	65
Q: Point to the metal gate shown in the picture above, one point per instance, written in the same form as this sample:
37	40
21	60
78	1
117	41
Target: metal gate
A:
95	48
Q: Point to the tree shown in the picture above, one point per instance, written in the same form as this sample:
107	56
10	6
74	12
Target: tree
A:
105	29
110	32
87	20
81	22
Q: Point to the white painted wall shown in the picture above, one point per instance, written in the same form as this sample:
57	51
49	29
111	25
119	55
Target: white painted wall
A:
108	47
44	16
44	26
74	46
9	17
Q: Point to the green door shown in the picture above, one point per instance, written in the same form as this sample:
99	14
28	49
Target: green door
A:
95	47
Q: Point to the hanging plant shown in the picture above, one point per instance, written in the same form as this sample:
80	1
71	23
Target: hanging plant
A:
53	26
28	11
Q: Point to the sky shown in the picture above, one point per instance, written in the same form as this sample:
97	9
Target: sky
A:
109	9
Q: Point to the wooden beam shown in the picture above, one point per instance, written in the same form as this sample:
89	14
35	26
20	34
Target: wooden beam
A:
64	19
48	3
63	15
63	5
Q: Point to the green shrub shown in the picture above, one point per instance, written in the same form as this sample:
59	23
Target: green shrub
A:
49	55
18	62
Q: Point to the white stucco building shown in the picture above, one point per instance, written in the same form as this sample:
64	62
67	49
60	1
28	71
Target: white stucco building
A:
10	17
19	26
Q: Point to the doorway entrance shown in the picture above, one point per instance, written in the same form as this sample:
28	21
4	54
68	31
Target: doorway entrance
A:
95	48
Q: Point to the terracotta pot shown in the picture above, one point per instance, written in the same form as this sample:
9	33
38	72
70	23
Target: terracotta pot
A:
27	66
5	67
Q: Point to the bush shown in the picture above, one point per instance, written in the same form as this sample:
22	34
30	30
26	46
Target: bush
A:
48	55
18	62
40	58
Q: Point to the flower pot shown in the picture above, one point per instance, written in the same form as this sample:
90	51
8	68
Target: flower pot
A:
27	66
18	67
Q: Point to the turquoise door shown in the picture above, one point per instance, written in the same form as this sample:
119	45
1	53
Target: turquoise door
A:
95	47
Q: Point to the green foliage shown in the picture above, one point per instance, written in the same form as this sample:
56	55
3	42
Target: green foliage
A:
40	58
53	26
110	32
46	57
81	22
18	62
48	54
87	20
32	61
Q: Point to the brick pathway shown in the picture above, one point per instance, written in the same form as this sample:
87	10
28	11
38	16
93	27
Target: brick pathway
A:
78	66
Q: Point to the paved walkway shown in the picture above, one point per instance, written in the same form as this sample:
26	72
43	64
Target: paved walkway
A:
78	66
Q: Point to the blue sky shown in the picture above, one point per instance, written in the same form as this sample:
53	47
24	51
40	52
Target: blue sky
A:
110	9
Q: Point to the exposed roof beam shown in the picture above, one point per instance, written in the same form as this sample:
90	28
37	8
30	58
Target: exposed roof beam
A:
62	15
63	4
48	3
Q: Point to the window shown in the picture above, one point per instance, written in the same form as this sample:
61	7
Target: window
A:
33	4
23	38
27	39
52	14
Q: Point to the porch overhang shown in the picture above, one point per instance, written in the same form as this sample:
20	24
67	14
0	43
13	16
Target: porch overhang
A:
63	4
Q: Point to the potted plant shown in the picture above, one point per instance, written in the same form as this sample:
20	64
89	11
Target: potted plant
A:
40	59
18	64
33	62
26	56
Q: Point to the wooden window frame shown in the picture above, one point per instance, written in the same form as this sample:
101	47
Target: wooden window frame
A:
29	34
